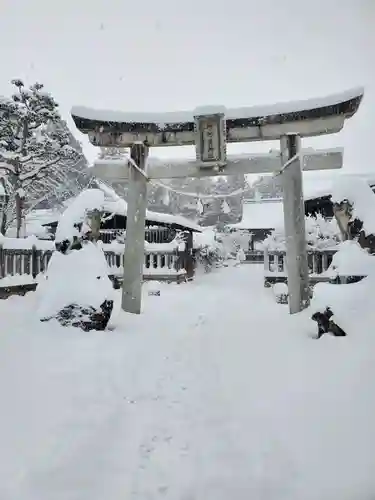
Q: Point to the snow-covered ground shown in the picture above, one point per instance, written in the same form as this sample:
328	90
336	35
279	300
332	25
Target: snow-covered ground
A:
214	392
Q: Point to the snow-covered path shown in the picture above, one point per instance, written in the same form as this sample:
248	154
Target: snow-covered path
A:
214	391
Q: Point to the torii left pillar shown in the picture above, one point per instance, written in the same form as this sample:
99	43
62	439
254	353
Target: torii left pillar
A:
294	223
135	231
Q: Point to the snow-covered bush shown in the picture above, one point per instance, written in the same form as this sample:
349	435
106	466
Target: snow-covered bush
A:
235	240
321	234
281	293
76	290
352	260
210	250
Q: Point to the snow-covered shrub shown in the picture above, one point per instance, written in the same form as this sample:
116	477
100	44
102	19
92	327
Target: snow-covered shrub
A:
321	234
210	257
76	290
354	263
281	293
235	240
209	249
352	260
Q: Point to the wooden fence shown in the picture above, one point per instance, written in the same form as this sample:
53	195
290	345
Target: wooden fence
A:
157	264
318	262
23	261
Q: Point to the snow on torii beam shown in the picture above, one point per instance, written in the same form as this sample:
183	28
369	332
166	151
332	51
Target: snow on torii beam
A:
114	171
305	118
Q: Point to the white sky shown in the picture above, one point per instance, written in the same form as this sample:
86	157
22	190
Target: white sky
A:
167	55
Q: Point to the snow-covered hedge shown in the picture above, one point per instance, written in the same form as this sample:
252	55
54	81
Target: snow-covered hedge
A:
320	234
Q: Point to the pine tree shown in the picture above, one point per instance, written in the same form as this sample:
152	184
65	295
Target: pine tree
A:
61	183
31	143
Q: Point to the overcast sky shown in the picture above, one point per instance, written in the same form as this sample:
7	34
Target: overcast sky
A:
168	55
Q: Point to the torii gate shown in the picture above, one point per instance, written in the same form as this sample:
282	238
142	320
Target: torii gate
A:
210	129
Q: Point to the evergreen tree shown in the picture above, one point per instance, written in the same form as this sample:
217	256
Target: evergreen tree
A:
32	144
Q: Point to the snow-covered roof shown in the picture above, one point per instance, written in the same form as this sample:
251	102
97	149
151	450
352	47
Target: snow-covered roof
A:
261	215
316	186
120	207
269	214
115	204
230	114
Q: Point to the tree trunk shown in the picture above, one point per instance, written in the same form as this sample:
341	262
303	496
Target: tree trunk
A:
3	226
95	217
19	211
3	221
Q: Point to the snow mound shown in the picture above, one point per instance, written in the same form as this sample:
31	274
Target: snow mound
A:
354	298
79	277
352	260
280	289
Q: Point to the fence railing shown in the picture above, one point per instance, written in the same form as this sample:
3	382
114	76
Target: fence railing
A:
34	261
155	262
318	261
23	261
152	234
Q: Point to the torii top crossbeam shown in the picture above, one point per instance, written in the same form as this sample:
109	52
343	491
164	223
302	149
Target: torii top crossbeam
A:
306	118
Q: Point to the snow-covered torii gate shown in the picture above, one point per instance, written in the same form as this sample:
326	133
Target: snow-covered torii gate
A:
210	129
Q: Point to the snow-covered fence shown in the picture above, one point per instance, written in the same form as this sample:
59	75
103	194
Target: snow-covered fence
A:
152	234
254	257
155	263
158	264
23	261
275	260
